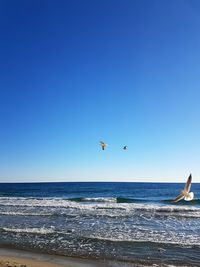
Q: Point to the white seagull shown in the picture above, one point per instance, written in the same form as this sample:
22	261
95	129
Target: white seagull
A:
185	193
103	145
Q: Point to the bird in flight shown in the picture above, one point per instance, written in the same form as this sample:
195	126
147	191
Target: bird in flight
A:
125	147
103	145
185	193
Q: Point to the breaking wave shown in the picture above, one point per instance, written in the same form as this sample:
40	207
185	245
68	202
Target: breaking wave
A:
93	204
95	199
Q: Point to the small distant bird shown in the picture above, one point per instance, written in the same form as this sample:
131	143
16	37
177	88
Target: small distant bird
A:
125	147
103	145
185	193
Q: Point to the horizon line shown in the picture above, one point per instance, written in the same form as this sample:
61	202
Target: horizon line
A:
45	182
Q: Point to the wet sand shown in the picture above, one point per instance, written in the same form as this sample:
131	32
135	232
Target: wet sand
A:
6	261
20	258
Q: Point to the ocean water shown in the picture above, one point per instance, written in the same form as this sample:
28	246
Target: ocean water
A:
125	223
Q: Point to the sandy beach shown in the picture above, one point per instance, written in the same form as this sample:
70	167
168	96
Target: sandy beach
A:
20	258
10	261
6	261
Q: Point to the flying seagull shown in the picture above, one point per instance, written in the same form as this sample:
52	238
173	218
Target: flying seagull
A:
103	145
125	147
185	193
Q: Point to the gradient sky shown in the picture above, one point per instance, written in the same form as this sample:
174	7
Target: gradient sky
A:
73	73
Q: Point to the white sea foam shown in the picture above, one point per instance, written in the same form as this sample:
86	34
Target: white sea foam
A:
101	205
13	213
100	199
42	230
163	238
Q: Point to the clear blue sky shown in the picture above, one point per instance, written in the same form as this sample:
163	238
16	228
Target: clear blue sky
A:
76	72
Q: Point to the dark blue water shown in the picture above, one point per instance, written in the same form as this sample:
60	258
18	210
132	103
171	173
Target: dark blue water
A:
125	222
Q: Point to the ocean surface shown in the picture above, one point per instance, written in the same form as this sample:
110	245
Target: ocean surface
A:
125	223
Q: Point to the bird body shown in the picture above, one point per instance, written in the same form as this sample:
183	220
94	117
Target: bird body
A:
103	145
189	196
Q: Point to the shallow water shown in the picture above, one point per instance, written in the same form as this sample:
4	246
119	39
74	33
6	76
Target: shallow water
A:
129	222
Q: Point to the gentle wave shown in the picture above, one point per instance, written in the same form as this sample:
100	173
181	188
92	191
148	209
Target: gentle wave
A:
101	205
108	200
147	240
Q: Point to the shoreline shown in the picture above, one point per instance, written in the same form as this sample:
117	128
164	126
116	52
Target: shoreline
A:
20	258
11	257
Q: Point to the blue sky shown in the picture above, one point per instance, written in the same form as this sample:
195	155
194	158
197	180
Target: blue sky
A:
76	72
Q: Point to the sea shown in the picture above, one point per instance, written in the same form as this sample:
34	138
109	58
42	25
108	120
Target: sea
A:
124	224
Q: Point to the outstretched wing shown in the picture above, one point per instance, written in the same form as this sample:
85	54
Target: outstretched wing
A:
179	197
188	184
